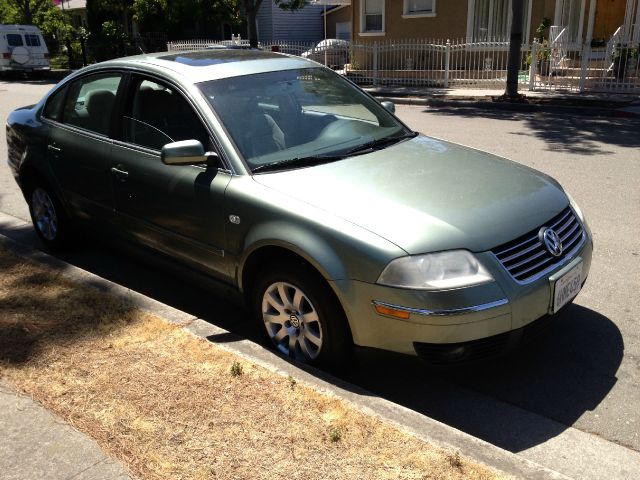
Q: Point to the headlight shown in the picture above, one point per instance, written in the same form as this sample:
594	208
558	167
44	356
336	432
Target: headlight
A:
578	211
435	271
575	207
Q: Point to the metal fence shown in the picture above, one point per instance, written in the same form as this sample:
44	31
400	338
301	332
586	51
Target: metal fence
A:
554	65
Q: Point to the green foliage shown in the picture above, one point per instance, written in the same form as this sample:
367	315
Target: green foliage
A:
53	21
236	369
151	15
335	434
542	28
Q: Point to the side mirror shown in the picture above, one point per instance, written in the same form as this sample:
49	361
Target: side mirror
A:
389	106
185	152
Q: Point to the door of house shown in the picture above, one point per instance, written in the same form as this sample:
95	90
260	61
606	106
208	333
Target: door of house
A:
570	15
609	16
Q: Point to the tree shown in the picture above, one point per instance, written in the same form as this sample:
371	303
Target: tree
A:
25	11
515	47
249	8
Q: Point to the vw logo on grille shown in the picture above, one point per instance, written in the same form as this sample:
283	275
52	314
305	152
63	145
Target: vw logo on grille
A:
551	241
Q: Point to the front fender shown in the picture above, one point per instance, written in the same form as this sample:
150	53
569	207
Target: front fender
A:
313	248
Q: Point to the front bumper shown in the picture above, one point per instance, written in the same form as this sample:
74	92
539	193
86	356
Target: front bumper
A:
455	317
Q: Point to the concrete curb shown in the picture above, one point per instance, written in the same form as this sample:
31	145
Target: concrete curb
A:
403	418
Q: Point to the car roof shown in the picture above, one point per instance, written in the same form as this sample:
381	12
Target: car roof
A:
201	65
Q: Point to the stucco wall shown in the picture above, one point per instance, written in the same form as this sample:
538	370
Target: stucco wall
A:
341	15
450	20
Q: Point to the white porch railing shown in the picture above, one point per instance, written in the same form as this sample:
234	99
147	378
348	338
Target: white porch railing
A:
561	65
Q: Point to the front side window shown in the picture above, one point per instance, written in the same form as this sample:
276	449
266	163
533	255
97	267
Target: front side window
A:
372	16
288	117
419	7
32	40
14	40
159	115
91	101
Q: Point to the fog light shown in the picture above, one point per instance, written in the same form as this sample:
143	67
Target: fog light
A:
455	353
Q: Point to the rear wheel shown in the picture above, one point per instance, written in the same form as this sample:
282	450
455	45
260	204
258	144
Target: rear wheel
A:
48	216
300	315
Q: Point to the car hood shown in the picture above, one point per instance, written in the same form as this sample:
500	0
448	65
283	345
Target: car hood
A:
428	195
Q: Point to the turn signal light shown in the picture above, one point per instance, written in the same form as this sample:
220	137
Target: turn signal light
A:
6	56
391	312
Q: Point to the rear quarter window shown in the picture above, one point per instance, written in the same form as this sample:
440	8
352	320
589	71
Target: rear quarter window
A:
14	39
32	40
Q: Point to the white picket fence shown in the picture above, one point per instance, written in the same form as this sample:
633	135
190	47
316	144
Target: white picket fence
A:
558	66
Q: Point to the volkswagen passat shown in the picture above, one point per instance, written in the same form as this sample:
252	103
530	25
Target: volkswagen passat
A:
278	177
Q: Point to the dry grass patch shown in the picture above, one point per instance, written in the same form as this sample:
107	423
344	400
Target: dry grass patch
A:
172	406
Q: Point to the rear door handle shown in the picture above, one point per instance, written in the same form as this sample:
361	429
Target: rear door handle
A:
53	148
121	174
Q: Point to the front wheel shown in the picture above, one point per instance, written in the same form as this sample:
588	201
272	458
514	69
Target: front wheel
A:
301	317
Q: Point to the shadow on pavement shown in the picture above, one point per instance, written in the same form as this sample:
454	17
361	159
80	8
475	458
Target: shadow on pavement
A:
515	402
551	383
561	132
30	80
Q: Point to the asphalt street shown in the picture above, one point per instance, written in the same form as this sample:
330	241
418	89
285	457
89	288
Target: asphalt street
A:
581	380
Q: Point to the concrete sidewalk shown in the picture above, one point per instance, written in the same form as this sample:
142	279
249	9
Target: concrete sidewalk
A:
37	444
605	104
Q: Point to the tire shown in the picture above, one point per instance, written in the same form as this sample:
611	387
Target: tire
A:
50	221
300	316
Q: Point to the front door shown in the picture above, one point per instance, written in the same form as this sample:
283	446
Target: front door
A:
609	16
178	210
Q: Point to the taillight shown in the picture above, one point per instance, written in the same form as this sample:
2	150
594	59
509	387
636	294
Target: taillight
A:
6	56
46	55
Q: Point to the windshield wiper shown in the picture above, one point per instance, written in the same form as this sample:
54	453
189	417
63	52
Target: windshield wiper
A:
380	143
297	162
300	162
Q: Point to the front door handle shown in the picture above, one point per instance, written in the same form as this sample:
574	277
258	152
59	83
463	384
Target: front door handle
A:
119	173
53	148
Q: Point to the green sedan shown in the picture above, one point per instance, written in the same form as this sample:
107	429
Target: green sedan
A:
336	223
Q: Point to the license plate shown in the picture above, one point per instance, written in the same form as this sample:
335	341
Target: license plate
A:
567	287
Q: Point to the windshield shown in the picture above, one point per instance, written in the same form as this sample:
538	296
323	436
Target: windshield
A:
280	118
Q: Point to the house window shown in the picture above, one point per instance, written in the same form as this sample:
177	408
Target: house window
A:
419	8
372	17
490	20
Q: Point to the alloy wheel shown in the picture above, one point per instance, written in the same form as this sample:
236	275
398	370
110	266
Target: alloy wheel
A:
291	321
44	214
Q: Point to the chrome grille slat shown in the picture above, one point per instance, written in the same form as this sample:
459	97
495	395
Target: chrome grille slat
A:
568	234
523	252
554	225
533	267
526	257
561	229
526	260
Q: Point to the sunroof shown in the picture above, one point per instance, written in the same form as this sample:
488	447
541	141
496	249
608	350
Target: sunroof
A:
216	56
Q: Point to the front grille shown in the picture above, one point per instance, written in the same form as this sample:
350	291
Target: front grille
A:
526	257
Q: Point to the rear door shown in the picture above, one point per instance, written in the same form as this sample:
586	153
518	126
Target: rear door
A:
79	145
176	209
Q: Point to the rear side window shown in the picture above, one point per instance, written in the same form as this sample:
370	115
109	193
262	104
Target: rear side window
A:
90	102
32	40
53	107
14	39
